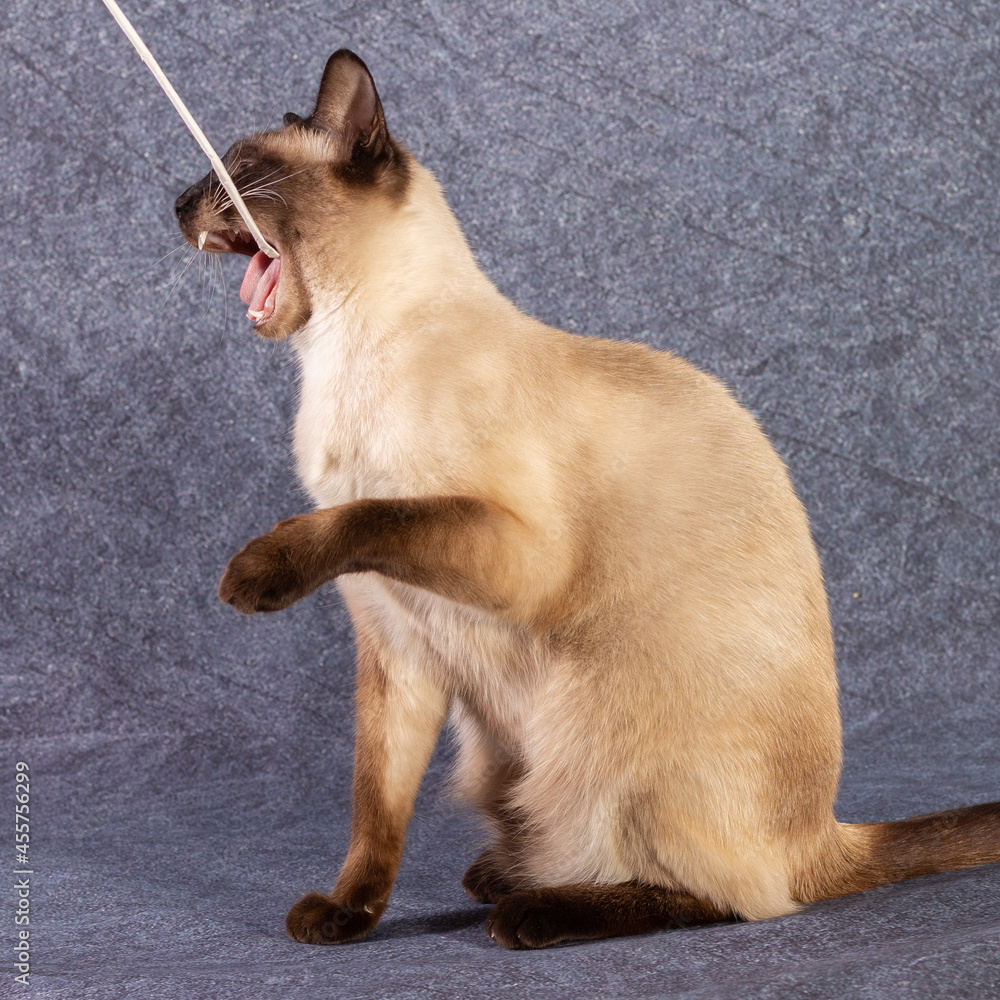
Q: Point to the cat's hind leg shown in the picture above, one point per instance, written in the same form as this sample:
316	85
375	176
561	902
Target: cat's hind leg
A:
490	877
484	776
537	918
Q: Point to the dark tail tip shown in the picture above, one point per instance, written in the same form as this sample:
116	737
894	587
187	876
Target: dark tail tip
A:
880	853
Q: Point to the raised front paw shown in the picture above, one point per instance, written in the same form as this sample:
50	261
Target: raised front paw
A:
271	572
319	919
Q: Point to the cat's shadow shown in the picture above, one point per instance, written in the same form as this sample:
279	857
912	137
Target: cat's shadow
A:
439	923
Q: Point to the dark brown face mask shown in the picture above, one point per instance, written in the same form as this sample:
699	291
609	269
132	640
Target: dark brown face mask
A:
287	187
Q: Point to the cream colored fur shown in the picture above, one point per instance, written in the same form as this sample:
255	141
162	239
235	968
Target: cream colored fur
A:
667	682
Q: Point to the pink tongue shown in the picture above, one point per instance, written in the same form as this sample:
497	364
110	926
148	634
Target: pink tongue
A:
258	283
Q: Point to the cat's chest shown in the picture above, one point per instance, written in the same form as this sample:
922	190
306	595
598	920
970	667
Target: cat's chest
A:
346	443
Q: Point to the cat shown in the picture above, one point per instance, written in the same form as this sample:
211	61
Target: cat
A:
583	551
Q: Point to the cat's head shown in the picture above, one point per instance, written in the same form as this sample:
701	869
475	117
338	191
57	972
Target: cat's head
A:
312	187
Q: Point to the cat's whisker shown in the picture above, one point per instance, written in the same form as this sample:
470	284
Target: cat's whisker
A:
217	286
219	196
222	291
269	174
266	182
280	180
266	194
187	266
183	243
289	176
206	281
248	119
262	187
180	274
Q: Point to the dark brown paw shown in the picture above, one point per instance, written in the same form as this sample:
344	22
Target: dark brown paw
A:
537	918
268	574
487	880
318	919
528	919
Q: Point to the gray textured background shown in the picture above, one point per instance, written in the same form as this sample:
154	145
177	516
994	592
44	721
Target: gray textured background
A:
799	195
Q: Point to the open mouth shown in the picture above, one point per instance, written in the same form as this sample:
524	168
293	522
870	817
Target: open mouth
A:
260	283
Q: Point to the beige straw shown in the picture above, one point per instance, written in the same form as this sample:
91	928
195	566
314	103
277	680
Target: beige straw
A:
188	119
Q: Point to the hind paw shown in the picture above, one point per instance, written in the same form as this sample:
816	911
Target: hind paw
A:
487	879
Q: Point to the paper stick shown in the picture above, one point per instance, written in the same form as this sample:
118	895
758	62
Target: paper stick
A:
188	119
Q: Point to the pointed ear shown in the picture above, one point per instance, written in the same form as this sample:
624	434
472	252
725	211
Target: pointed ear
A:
349	108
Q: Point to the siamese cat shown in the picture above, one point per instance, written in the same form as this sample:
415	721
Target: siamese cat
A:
584	552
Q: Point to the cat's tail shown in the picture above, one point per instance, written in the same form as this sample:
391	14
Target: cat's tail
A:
872	854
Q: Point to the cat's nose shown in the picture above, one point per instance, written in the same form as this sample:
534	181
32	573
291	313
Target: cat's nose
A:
186	202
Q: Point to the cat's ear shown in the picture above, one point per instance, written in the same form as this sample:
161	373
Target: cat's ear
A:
348	107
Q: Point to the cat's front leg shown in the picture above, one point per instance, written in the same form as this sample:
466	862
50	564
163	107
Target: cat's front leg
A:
399	715
273	571
465	548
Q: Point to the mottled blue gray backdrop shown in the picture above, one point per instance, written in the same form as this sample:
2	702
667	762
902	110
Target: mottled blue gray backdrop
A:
799	195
